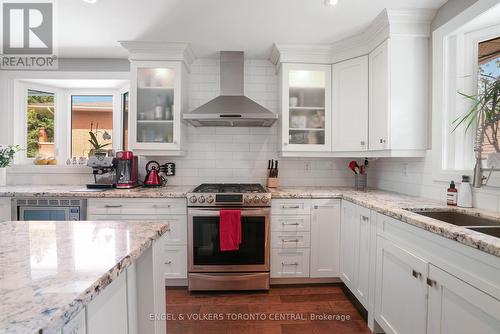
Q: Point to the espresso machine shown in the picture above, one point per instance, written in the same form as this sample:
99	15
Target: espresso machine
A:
103	169
126	170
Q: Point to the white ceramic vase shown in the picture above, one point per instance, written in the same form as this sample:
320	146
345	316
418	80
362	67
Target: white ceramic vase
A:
3	176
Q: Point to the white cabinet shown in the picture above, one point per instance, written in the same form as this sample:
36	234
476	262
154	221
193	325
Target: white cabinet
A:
305	108
401	290
398	94
77	325
456	307
108	312
5	209
356	237
290	262
172	211
175	261
350	105
325	238
347	244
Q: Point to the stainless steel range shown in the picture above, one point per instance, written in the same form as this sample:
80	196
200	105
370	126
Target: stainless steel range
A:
244	269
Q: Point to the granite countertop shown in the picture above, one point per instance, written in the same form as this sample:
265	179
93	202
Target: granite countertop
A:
395	205
50	270
81	191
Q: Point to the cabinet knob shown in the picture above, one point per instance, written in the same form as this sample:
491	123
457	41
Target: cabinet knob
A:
382	141
362	143
430	282
168	262
416	274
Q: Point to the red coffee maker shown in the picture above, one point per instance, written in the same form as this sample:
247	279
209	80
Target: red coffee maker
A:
126	170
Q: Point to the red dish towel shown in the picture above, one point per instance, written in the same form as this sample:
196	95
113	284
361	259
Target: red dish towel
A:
230	230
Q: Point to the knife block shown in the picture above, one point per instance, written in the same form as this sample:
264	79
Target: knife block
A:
272	182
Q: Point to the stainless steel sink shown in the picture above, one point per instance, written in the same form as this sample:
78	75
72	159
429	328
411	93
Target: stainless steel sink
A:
459	219
494	231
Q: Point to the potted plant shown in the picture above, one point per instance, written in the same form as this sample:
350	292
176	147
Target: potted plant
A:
484	114
94	141
7	153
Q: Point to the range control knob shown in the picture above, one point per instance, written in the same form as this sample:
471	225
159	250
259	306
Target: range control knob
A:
201	199
264	199
210	199
192	199
256	199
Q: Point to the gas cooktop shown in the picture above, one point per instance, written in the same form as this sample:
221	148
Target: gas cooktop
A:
229	194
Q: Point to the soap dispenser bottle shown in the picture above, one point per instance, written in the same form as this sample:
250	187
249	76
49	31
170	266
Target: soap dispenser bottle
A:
451	195
464	199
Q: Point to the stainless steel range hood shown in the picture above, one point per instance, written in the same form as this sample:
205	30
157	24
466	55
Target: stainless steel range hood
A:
231	108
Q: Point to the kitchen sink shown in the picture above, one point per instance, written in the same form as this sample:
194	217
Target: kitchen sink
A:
459	219
494	231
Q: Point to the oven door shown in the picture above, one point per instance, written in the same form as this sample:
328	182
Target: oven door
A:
204	254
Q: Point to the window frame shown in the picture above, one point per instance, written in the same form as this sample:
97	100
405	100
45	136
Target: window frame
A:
445	83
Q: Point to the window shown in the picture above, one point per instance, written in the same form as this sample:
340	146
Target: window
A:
40	127
489	69
91	113
125	121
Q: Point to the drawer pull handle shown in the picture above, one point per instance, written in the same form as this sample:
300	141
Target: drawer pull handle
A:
416	274
156	206
168	262
289	263
290	224
290	206
290	240
113	205
364	218
430	282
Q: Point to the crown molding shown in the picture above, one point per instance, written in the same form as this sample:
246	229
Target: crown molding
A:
147	50
402	22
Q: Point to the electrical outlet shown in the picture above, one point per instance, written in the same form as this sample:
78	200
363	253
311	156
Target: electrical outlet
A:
307	167
405	169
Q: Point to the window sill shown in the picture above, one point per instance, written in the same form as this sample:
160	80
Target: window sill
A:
48	169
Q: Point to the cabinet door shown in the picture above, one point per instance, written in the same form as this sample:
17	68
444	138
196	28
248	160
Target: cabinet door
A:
456	307
306	107
401	291
362	262
325	238
5	209
348	228
175	262
379	110
350	105
155	105
110	304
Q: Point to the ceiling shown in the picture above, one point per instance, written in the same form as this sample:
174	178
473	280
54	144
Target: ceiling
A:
92	30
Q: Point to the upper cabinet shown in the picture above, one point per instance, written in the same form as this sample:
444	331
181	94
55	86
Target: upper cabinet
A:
350	105
158	96
306	107
399	89
376	99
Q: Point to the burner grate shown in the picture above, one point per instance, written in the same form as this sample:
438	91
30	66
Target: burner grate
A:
230	188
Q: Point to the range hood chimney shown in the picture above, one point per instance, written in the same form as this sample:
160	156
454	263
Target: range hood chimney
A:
231	108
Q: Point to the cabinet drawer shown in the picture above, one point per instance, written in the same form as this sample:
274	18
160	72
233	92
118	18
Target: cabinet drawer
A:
5	209
291	206
290	239
290	223
76	325
290	263
175	261
137	206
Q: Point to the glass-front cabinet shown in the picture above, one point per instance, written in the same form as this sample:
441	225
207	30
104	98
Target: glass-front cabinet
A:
306	107
155	106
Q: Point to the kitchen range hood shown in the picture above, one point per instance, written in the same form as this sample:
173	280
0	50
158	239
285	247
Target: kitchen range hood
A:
231	108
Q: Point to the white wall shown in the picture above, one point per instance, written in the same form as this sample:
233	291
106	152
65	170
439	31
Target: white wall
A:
229	154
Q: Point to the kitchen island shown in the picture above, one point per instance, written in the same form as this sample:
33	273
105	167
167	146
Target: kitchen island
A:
80	277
